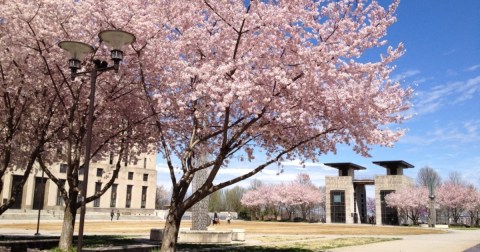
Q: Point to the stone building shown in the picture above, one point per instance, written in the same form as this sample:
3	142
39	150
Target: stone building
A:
346	196
132	193
394	180
346	200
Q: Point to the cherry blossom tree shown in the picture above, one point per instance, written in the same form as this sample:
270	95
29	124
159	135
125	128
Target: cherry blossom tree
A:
229	78
323	203
52	108
27	123
472	205
27	107
259	199
371	206
453	197
299	194
278	76
312	196
411	201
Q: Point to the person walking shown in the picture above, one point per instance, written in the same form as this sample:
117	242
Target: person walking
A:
215	219
111	215
229	217
118	214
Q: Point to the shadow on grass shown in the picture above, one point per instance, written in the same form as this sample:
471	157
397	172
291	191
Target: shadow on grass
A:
96	241
89	240
92	241
22	242
108	240
215	248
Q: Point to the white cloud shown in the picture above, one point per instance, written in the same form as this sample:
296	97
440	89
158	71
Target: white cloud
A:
162	168
455	133
298	164
270	175
404	75
469	89
451	93
234	171
472	68
317	176
422	80
452	51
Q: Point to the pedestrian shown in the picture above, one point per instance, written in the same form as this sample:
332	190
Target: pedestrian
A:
215	219
111	215
118	214
229	217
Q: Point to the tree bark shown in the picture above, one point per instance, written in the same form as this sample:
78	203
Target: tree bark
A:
66	237
170	233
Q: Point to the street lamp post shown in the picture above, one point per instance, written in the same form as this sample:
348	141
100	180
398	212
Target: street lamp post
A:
116	40
433	212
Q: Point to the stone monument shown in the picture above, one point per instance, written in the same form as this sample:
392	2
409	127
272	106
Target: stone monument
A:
200	217
346	195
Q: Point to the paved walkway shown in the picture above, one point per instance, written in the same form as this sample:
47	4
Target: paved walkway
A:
453	241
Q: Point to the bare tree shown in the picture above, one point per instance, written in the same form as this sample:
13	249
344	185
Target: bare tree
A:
217	200
254	184
162	197
456	178
428	175
233	197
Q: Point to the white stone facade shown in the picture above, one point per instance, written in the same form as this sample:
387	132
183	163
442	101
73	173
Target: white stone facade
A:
140	177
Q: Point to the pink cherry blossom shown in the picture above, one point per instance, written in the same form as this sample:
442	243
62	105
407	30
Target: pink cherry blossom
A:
410	201
287	78
454	198
299	195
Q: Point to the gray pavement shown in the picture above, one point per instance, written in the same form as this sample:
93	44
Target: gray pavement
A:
453	241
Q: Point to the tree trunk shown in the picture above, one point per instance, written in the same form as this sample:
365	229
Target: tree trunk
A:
304	210
170	233
66	237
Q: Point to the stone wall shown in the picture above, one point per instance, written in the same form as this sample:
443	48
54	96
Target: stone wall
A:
344	183
388	182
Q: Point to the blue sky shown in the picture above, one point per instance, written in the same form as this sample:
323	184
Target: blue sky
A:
442	64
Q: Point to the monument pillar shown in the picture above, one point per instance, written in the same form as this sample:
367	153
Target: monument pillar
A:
200	218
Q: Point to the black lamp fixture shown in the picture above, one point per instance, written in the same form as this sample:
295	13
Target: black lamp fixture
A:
115	39
76	51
